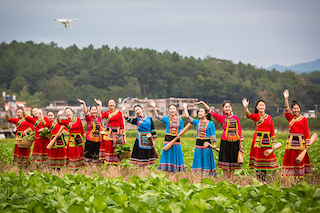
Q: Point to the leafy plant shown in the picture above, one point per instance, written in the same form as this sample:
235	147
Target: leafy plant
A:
45	131
122	149
29	136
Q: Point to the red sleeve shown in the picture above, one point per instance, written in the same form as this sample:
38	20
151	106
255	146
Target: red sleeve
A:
29	119
81	126
12	120
121	121
288	114
48	123
273	136
253	116
64	122
31	126
219	118
104	115
87	118
306	131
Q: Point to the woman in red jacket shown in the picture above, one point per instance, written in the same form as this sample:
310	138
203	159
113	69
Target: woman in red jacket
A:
263	139
57	155
116	132
21	156
39	151
298	140
76	141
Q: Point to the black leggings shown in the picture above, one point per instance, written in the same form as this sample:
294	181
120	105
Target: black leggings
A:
261	175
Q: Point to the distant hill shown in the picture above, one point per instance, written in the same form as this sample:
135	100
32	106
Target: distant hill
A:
299	68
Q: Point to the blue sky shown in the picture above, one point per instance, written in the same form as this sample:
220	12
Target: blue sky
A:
261	33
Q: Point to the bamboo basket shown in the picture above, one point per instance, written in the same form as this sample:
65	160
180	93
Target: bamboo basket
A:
125	155
23	143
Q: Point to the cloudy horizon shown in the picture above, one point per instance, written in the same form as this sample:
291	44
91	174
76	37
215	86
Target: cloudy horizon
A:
260	33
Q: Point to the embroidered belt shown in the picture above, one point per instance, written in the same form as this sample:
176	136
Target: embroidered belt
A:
296	141
76	139
144	142
263	139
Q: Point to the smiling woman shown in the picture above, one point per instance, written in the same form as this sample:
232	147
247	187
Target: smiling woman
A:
263	139
298	140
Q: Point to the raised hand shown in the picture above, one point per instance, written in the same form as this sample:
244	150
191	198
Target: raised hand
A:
286	93
81	101
152	103
98	101
124	107
61	112
199	102
21	105
185	105
245	103
6	107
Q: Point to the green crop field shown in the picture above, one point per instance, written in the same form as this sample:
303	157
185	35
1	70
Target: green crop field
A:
123	189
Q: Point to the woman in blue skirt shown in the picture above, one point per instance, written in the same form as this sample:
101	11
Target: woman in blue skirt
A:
171	160
203	159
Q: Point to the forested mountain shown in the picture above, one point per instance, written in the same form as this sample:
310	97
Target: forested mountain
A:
299	68
39	73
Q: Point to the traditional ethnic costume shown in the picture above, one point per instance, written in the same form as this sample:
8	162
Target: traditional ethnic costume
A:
263	139
39	151
172	160
116	132
143	153
57	155
297	141
92	147
230	140
76	141
203	159
21	156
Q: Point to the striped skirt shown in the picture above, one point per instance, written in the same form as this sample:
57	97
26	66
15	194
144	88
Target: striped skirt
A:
172	160
203	160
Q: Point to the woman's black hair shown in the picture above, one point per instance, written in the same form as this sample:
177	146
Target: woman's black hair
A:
224	103
93	106
112	100
19	108
172	105
137	106
255	107
70	109
294	102
51	111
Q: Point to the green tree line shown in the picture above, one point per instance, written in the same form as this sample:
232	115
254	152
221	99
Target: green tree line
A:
39	73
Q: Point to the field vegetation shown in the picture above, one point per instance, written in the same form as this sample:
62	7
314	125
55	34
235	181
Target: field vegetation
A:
122	189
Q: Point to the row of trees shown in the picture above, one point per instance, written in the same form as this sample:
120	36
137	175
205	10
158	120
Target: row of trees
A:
39	73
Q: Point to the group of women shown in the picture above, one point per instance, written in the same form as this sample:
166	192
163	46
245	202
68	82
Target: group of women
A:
98	145
92	148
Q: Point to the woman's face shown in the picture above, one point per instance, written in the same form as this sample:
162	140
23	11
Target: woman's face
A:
94	111
172	110
261	107
111	104
202	113
138	111
35	112
69	113
50	116
19	113
296	110
227	108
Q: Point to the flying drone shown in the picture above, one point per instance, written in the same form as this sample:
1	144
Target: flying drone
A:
66	22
